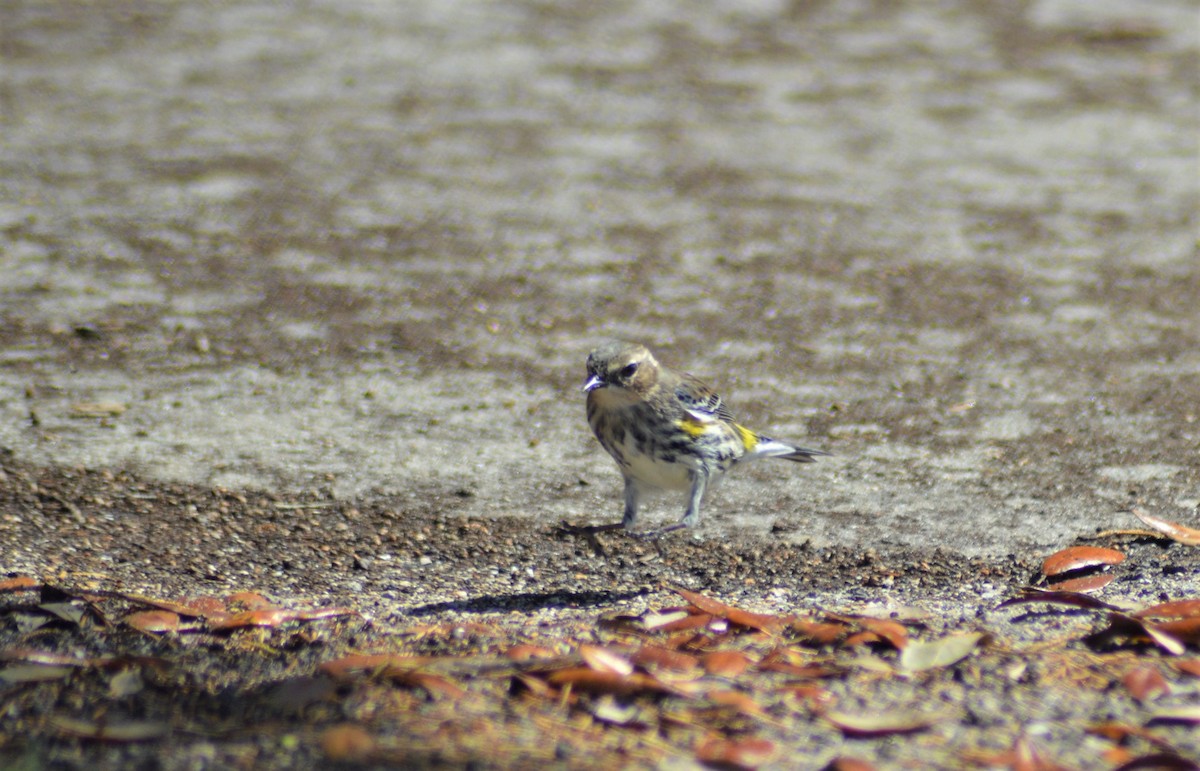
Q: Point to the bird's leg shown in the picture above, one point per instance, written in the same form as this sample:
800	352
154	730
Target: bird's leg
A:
631	504
691	516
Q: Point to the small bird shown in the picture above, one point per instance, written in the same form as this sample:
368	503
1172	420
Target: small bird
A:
667	429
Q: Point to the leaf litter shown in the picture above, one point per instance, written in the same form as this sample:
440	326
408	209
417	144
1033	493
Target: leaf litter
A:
688	673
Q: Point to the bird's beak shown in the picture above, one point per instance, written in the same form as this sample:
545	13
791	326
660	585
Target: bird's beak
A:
592	384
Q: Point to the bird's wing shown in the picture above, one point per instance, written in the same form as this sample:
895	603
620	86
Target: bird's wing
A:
700	401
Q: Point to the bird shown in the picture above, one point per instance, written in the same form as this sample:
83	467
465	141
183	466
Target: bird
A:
667	430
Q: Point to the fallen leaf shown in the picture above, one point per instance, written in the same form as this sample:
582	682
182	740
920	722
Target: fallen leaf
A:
1186	714
594	681
126	682
608	710
1189	667
18	584
604	660
688	622
153	621
117	731
268	617
1079	558
71	612
347	743
33	673
742	702
818	633
657	619
848	764
725	663
1120	732
935	654
1121	624
1173	609
1145	683
436	686
736	753
656	656
1033	594
1158	761
759	621
1092	583
880	724
251	601
1188	536
527	652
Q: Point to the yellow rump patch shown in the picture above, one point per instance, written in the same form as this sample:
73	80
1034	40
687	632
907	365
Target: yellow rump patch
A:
749	438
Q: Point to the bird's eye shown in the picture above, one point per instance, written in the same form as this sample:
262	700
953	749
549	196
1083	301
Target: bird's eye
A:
629	370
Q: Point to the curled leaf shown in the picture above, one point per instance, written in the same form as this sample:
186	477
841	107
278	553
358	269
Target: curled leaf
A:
1145	683
1079	558
604	660
921	656
880	724
153	621
1188	536
736	753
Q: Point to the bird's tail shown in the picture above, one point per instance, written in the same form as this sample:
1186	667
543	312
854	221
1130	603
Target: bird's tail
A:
773	448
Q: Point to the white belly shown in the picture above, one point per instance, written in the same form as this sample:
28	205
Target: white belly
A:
656	473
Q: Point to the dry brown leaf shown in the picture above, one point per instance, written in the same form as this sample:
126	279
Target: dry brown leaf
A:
746	753
848	764
649	656
267	617
1121	624
761	622
153	621
528	652
1092	583
725	663
1188	536
1079	558
436	686
348	743
251	601
742	702
881	723
1033	594
19	584
1158	761
1120	732
604	660
1145	683
1189	667
817	633
593	681
687	623
1173	609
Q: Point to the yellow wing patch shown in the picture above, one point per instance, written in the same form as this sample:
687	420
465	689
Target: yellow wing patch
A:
749	438
692	427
